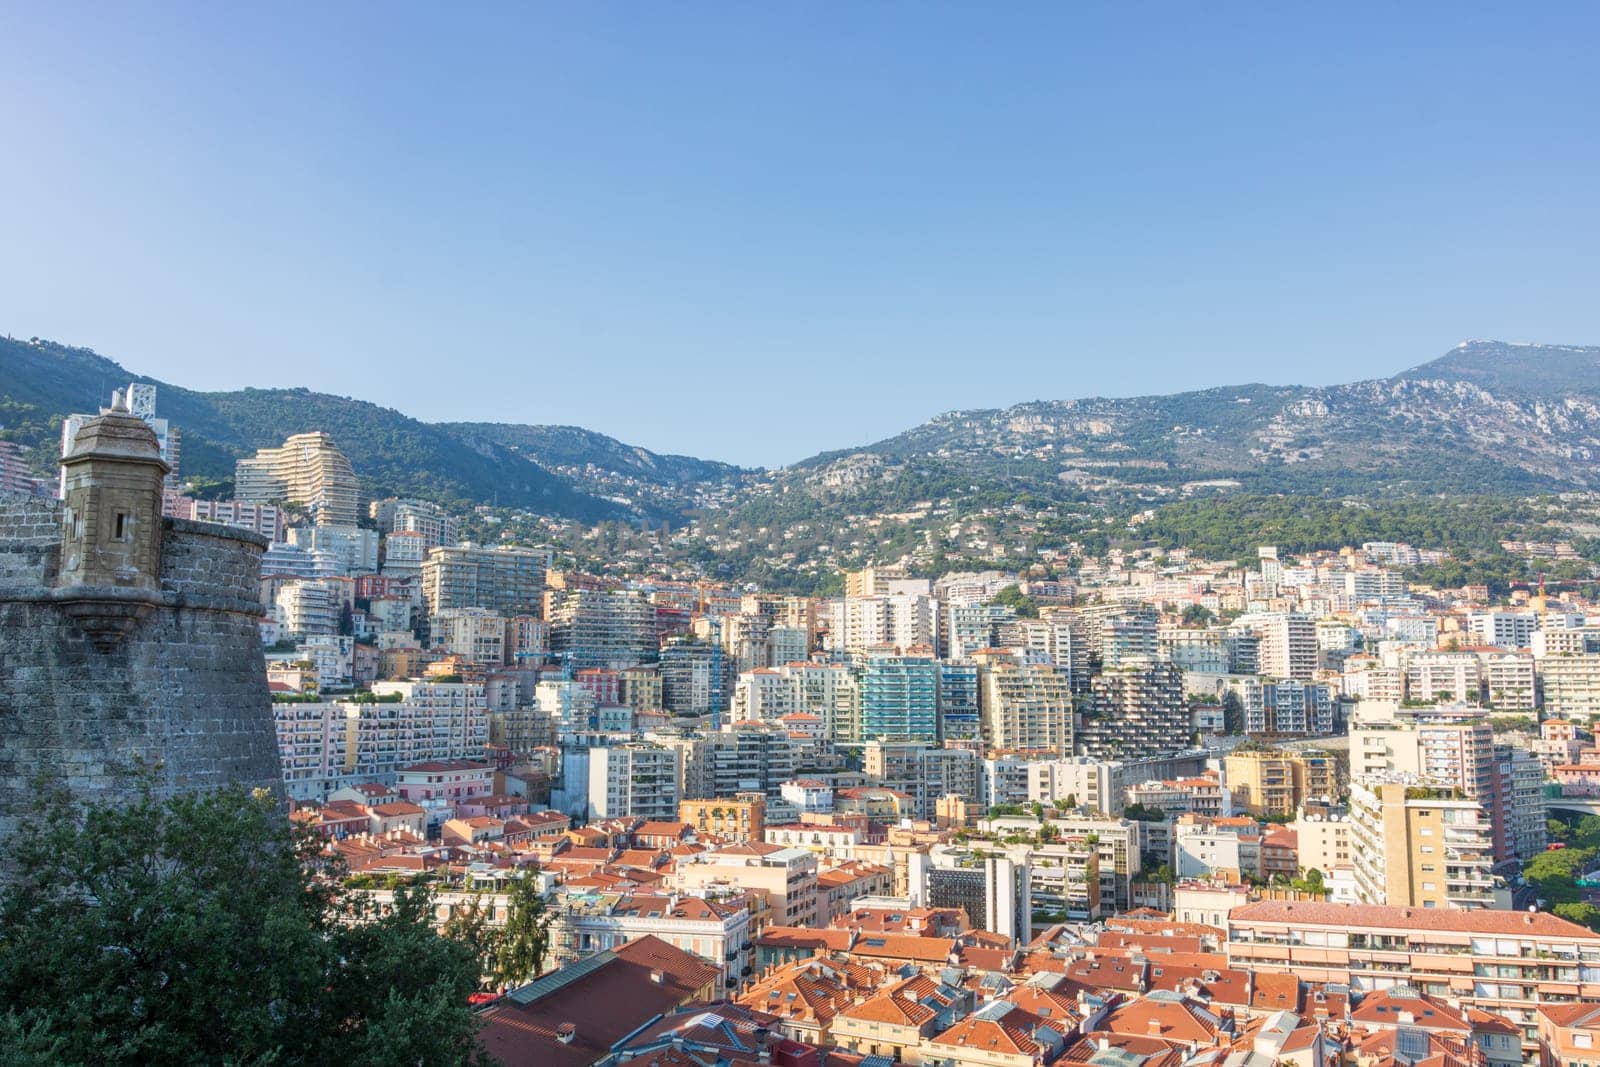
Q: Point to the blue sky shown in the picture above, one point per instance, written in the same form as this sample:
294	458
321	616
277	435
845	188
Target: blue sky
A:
756	231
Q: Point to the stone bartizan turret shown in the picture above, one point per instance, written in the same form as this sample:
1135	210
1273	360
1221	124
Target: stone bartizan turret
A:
130	643
110	574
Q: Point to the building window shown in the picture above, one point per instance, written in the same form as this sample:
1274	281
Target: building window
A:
123	528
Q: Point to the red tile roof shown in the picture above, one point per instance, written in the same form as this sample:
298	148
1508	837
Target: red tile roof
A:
602	1002
1007	1035
398	807
1373	916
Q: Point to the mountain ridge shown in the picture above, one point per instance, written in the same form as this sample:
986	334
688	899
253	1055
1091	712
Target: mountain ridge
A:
393	453
1524	433
1484	416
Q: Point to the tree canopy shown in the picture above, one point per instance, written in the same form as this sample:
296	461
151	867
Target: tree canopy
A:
203	929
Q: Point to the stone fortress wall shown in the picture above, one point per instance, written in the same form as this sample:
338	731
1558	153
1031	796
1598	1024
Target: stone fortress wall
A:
182	693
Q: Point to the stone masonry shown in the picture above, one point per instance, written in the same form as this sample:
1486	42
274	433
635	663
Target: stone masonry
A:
175	683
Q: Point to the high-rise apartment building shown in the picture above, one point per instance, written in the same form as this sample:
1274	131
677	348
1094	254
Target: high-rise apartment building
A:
505	578
830	691
475	634
923	771
1285	707
1374	584
307	471
595	628
1276	782
1027	707
1571	686
326	746
901	621
309	606
1510	681
16	476
1129	637
1114	632
1134	710
264	519
900	698
1504	629
404	554
690	681
1522	775
1288	643
787	644
1050	638
1445	677
1420	846
1271	569
1196	651
1451	747
633	780
354	549
746	757
960	709
970	627
1064	636
882	581
427	520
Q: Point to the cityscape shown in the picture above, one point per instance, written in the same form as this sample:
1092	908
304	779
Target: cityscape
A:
1145	806
813	536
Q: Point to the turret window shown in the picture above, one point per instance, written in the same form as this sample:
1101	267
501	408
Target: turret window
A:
123	527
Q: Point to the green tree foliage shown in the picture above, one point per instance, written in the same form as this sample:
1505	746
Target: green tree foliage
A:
1503	724
468	924
1232	714
1013	597
525	939
195	930
1160	873
1141	813
1580	912
1470	527
1555	874
1313	882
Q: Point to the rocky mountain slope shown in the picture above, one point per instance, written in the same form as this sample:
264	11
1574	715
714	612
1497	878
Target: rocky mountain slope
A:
1486	417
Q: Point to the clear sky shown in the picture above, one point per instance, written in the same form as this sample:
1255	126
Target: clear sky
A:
756	231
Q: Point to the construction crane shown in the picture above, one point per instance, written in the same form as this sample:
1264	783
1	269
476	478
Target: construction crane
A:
715	623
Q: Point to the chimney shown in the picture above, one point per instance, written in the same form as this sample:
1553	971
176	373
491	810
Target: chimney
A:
657	977
567	1033
1155	1026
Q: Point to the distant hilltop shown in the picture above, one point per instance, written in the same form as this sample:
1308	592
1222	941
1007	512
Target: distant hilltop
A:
1487	416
